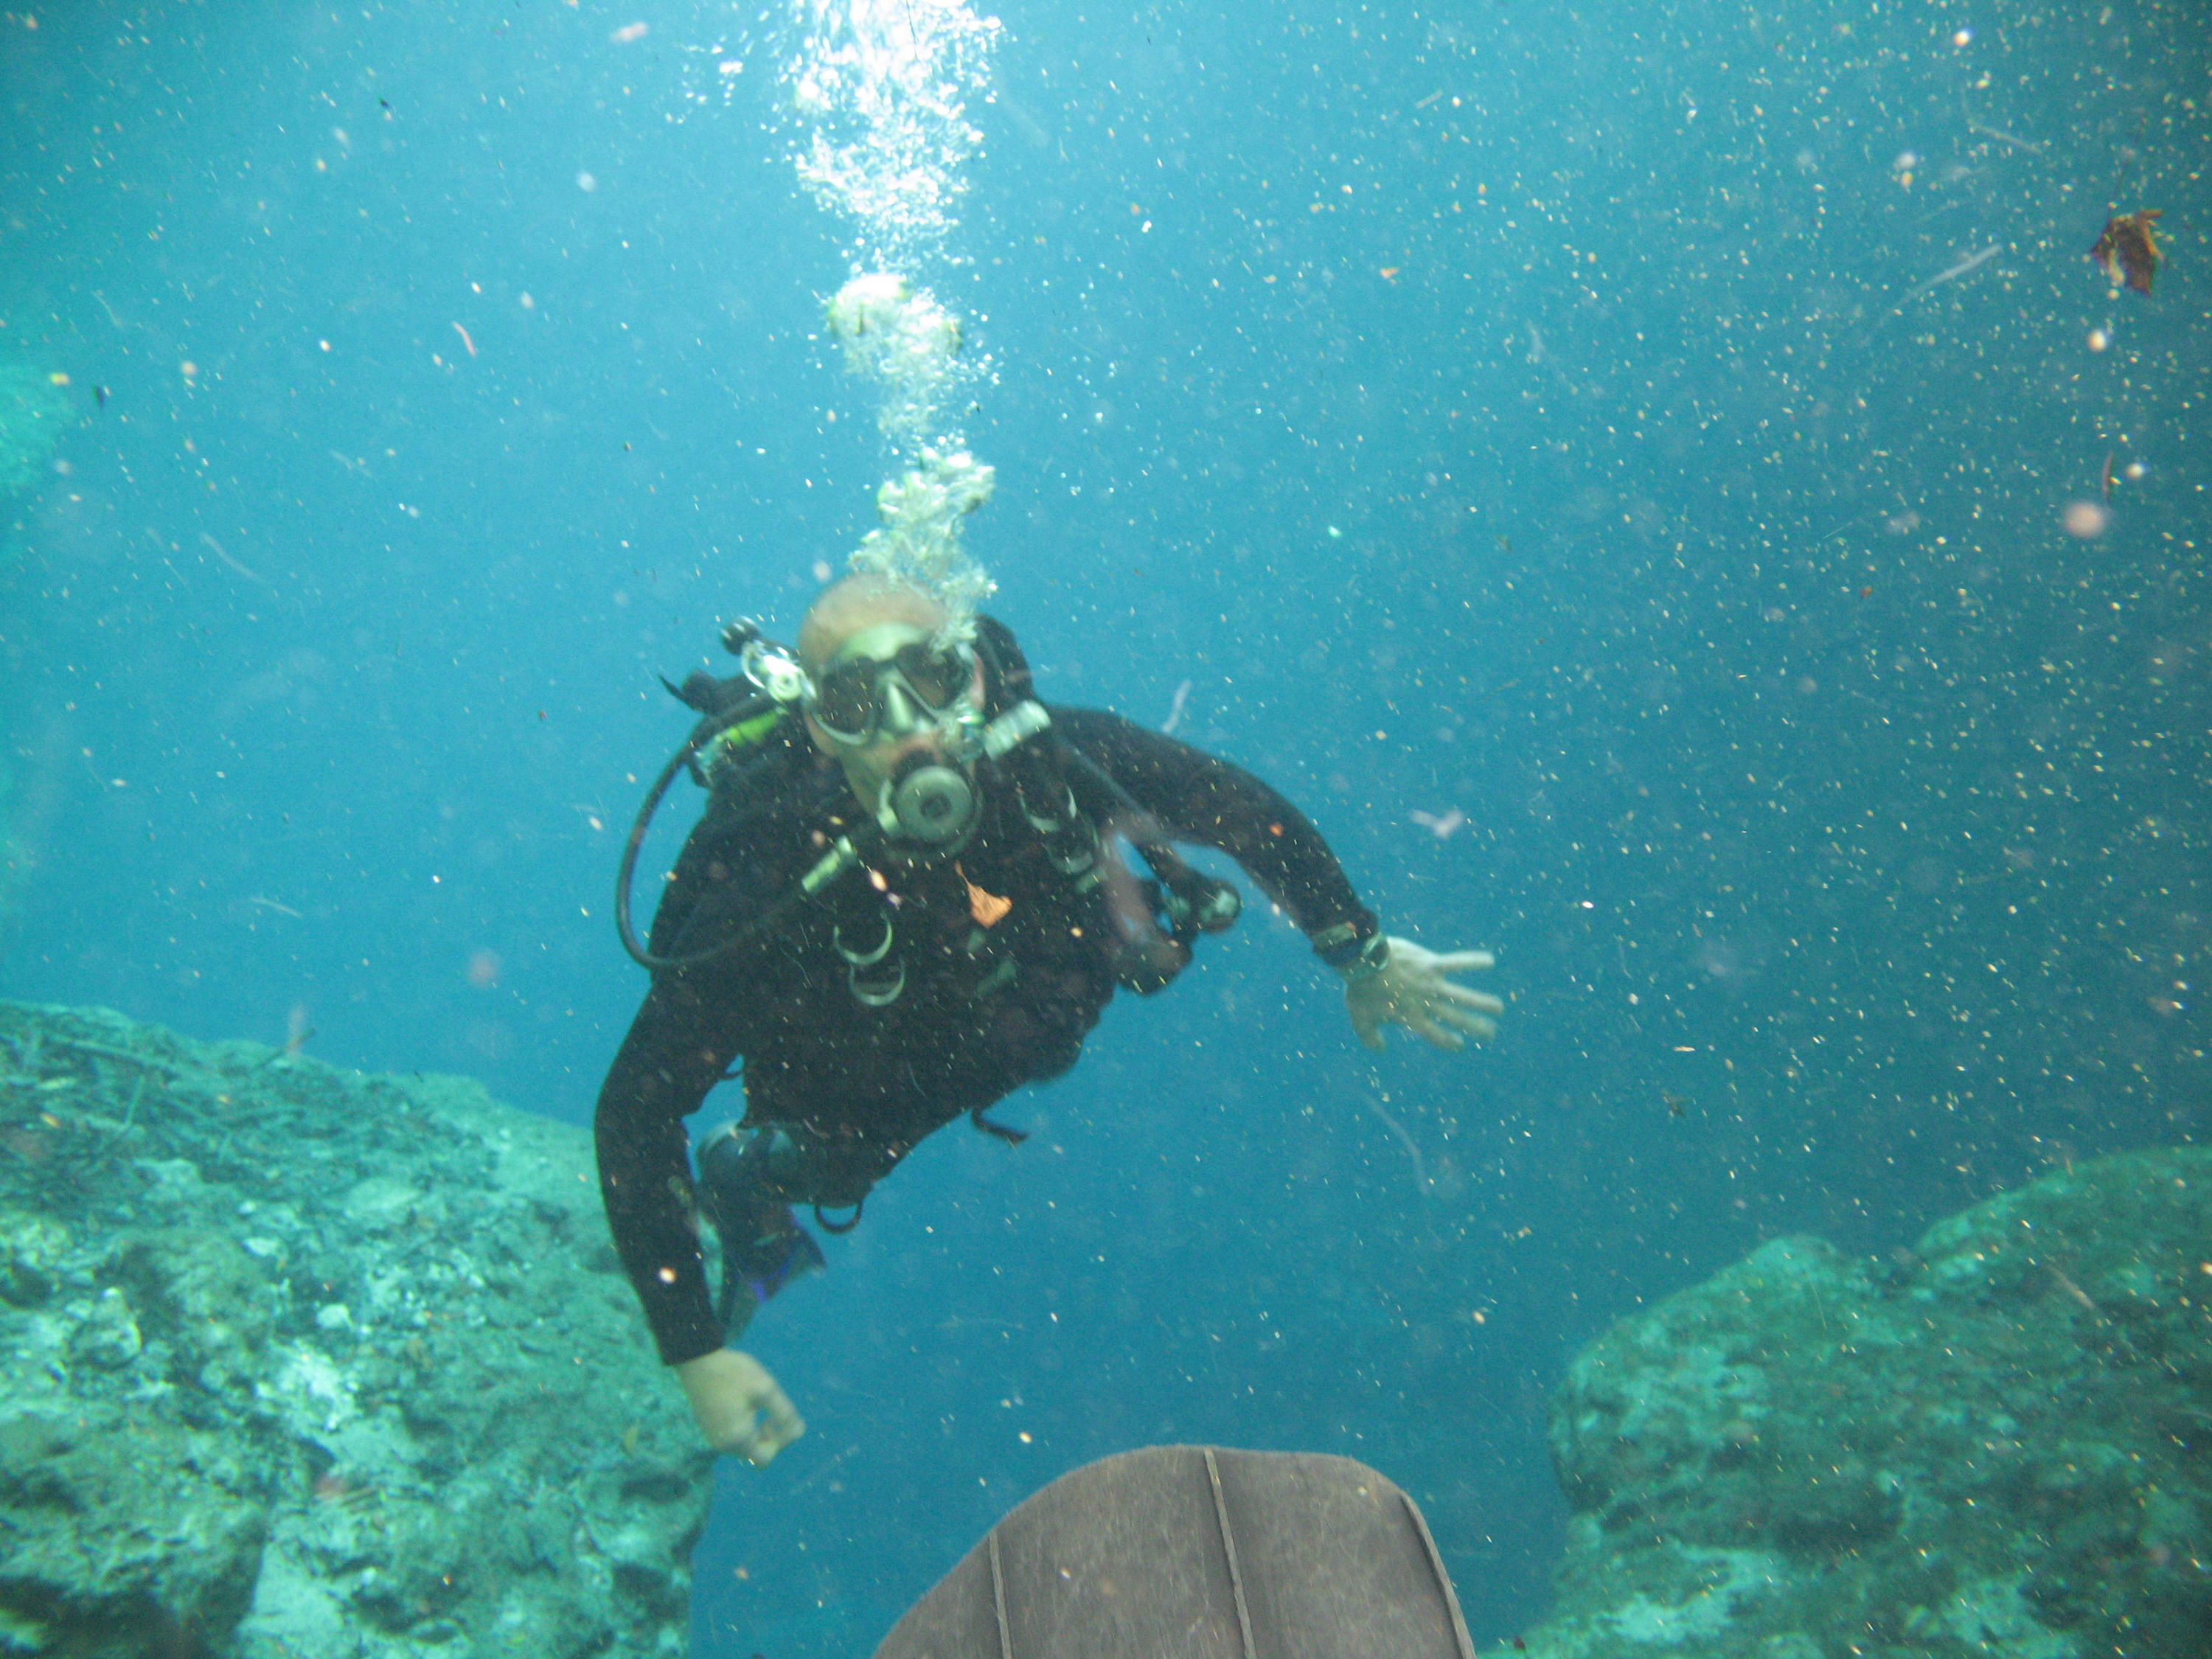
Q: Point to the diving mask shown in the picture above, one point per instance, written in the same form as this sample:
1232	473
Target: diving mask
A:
892	681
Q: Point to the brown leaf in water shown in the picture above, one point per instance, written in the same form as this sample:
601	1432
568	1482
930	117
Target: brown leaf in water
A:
2129	249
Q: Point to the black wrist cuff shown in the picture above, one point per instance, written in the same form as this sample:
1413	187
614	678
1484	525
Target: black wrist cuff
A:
1344	948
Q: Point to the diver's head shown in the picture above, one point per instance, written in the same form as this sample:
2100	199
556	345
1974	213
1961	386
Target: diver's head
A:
896	704
854	603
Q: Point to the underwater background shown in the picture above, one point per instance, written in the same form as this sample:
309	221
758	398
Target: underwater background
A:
1681	452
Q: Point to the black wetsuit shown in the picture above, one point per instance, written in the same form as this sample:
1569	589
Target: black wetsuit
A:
980	1010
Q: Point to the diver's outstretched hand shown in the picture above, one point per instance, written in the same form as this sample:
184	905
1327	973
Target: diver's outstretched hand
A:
739	1406
1413	988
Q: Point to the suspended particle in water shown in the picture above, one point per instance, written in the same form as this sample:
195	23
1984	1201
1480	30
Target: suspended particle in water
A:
2085	520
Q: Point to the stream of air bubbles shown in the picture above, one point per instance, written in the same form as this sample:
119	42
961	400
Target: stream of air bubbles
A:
875	96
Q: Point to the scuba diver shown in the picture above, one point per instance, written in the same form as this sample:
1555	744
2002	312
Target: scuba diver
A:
906	899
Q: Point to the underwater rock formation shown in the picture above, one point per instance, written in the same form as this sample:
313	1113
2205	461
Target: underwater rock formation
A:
300	1362
1998	1443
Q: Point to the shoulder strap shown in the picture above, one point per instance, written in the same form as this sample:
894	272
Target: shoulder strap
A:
734	761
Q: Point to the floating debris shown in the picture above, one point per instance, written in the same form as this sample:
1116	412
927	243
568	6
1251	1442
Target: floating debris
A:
1176	710
1972	262
2129	249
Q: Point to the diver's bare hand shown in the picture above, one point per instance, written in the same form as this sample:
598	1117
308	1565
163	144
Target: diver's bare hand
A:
1413	988
740	1408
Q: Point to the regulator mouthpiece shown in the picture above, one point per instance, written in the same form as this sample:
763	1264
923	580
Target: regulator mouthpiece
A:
929	804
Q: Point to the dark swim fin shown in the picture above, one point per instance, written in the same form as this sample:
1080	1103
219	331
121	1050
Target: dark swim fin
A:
755	1268
1203	1553
764	1246
791	1256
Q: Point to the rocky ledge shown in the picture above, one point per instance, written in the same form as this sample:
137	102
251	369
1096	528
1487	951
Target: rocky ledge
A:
297	1363
1998	1443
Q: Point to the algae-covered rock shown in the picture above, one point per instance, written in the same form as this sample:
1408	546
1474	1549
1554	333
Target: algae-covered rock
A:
126	1532
1997	1445
299	1362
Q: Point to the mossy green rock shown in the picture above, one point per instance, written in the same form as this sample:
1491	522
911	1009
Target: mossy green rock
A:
295	1362
1997	1445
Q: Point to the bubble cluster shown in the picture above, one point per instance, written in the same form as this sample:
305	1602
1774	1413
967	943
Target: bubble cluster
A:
881	88
908	345
918	541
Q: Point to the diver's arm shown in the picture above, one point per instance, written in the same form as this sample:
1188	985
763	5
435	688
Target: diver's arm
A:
665	1067
1387	981
1197	798
677	1049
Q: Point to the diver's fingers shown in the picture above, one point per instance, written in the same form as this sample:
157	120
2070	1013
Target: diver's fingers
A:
763	1449
1461	962
738	1405
1424	1027
1368	1029
1468	999
1460	1020
780	1425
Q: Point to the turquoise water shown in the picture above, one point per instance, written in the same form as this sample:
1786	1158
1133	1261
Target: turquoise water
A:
1606	435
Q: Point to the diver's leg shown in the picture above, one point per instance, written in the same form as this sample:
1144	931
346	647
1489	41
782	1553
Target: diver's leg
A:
747	1179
